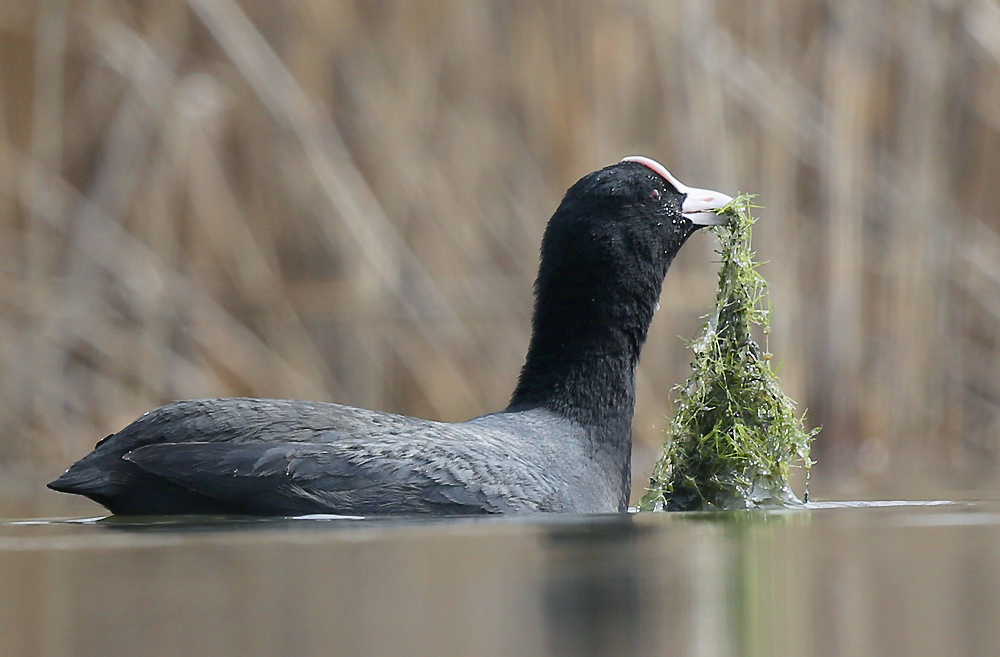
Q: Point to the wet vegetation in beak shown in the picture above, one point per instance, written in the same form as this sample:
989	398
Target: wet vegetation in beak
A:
735	435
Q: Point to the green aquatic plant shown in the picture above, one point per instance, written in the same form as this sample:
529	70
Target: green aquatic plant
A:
735	436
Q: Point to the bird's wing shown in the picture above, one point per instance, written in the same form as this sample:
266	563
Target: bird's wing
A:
345	476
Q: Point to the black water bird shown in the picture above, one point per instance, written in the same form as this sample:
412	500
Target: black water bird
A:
563	444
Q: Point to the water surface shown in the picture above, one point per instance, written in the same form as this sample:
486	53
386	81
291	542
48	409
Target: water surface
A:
885	579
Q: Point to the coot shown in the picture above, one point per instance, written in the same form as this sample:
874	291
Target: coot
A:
563	443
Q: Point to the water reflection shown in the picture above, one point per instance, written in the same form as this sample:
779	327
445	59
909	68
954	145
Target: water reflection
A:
592	588
903	580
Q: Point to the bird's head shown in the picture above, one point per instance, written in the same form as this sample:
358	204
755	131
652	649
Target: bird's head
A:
628	219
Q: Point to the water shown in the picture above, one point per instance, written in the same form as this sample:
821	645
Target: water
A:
891	579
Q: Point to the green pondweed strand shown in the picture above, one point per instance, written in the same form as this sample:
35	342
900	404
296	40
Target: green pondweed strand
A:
735	435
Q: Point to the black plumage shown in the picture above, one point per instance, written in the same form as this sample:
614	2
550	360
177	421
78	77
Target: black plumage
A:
563	443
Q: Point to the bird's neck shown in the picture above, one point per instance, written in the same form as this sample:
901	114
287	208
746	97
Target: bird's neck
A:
581	362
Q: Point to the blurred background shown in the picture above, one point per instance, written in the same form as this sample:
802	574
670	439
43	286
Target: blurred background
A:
342	201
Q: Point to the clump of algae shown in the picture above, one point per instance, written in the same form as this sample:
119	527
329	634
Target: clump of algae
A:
735	436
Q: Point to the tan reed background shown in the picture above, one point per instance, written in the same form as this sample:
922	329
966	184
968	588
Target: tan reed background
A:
343	201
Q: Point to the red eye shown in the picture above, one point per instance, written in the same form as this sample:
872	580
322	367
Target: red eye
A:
655	195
